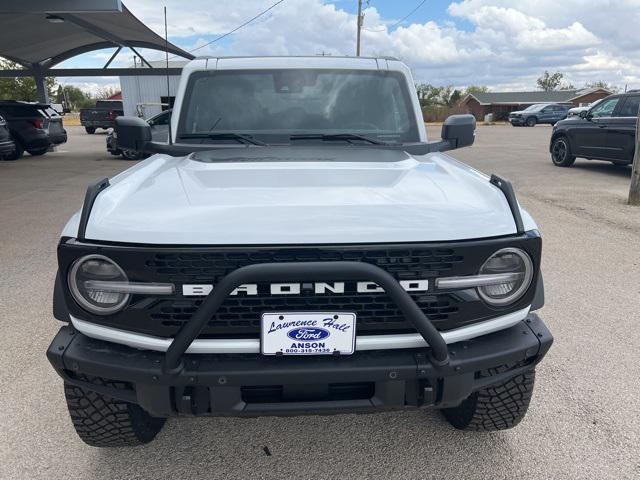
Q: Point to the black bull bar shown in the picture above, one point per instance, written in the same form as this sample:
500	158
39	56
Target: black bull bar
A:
305	271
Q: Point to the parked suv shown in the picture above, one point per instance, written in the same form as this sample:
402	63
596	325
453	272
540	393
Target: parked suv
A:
298	247
34	127
539	113
7	146
604	132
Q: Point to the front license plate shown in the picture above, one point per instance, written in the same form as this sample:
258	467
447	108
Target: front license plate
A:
308	333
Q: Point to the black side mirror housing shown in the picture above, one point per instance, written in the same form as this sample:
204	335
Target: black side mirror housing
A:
459	131
133	133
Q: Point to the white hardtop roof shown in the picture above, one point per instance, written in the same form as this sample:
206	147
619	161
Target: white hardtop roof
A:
326	61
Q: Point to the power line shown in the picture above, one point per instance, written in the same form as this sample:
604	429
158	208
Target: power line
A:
399	21
238	27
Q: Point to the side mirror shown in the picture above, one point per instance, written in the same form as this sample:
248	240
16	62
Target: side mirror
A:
133	133
585	114
459	131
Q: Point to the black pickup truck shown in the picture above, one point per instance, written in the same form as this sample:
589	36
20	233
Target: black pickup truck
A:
103	115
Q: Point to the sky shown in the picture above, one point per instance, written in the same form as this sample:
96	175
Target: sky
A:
503	44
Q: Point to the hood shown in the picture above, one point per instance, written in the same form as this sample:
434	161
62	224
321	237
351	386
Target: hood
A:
298	195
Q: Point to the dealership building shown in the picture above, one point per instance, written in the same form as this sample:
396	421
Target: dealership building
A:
500	104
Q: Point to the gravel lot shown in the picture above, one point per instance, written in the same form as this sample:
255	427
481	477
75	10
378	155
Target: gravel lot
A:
583	422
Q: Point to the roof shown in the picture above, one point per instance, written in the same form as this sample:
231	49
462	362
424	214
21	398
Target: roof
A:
285	62
538	96
45	39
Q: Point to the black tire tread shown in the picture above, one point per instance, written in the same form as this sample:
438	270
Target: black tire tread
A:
570	160
498	407
102	421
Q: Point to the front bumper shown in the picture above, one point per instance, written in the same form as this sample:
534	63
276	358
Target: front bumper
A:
250	385
97	123
7	147
516	120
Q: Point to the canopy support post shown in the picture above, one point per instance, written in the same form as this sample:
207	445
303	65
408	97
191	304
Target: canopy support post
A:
41	86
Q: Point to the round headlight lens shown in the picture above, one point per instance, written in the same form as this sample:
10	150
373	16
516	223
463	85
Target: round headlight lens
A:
507	261
97	268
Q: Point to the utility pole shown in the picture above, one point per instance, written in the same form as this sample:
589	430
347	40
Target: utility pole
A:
360	18
634	189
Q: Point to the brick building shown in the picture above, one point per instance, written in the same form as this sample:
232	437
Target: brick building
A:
502	103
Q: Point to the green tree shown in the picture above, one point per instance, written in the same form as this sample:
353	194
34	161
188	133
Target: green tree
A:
431	95
73	97
471	89
21	88
455	98
553	81
602	84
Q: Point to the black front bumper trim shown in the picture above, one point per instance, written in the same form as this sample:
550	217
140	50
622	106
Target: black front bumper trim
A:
214	384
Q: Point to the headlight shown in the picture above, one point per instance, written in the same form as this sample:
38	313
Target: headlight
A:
95	269
505	261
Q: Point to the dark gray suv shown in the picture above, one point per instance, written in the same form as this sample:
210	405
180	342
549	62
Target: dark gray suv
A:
539	113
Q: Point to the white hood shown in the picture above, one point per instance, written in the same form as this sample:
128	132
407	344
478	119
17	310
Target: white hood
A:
298	195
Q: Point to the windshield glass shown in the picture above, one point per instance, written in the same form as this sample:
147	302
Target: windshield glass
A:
535	108
272	104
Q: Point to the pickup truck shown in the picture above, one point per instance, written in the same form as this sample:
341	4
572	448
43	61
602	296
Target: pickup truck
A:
296	246
103	115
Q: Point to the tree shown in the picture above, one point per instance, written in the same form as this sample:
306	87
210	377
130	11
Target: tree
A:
73	97
455	98
21	88
105	92
430	95
471	89
602	84
553	81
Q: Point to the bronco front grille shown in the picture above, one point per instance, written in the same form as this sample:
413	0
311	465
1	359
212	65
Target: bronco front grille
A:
405	264
239	316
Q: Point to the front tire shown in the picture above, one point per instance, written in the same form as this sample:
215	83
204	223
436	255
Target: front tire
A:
132	155
531	121
102	421
561	152
17	153
90	130
498	407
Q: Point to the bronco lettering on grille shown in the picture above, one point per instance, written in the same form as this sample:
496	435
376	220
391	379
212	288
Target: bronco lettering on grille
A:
320	288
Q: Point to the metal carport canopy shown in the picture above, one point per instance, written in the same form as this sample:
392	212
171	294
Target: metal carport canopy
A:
39	34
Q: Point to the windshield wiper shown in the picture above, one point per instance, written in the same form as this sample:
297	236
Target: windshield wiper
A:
225	136
347	137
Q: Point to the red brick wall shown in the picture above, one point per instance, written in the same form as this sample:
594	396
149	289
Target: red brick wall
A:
473	107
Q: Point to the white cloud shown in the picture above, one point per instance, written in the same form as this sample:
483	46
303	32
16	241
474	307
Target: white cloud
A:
501	43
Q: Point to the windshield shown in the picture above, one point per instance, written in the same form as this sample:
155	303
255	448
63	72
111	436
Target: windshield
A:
273	105
535	108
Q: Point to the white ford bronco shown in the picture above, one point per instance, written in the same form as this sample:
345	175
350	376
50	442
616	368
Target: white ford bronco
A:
297	246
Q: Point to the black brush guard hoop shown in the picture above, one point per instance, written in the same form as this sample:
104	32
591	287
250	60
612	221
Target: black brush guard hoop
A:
305	271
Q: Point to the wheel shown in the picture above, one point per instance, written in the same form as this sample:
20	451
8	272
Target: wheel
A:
38	151
561	152
90	130
17	153
531	122
498	407
102	421
132	155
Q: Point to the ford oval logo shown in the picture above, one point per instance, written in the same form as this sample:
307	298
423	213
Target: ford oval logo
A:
307	334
